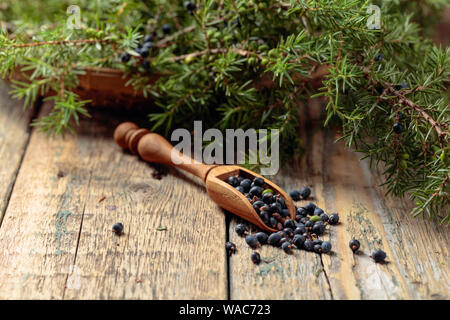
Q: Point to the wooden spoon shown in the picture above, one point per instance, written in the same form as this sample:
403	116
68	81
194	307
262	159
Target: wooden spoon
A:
154	148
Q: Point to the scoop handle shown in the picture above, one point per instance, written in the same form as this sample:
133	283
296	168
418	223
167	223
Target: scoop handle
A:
154	148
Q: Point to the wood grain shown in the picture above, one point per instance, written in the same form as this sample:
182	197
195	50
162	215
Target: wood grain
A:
14	133
56	240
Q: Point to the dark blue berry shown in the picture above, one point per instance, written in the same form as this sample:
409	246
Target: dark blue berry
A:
246	184
304	220
274	239
117	228
255	257
378	256
310	208
333	218
295	195
258	204
240	229
289	232
275	207
267	197
240	189
318	228
233	181
273	222
285	213
258	182
288	223
317	241
125	57
354	245
252	241
326	247
308	245
401	86
287	247
255	191
230	247
305	192
166	28
299	240
378	57
324	217
398	128
318	211
302	212
300	230
190	6
148	38
262	237
309	225
282	202
317	248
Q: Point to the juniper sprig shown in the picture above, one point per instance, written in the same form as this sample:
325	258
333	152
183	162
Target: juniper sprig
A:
249	64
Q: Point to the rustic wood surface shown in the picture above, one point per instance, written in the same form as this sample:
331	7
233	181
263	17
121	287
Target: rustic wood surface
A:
14	134
56	240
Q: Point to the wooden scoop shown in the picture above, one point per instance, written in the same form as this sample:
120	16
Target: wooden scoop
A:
154	148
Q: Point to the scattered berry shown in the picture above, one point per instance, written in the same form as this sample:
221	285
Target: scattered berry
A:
378	57
324	217
317	248
326	247
287	247
333	218
354	245
318	211
318	228
256	258
230	247
302	212
295	195
305	192
252	241
310	208
288	223
308	245
274	239
117	228
262	237
378	256
299	240
240	229
300	230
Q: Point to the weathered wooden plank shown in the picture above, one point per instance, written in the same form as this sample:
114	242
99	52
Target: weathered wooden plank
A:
415	257
56	240
14	133
420	248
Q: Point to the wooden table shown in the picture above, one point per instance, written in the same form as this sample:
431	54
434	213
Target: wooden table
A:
60	197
